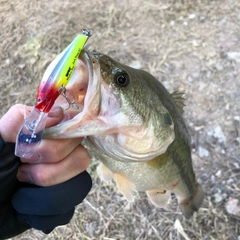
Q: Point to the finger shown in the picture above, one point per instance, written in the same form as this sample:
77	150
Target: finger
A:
12	121
53	150
55	116
54	173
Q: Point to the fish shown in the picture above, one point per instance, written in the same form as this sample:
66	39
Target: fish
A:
136	128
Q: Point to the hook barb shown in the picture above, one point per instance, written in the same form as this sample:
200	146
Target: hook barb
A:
62	91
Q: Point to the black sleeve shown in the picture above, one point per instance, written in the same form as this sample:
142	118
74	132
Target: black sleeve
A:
24	206
10	224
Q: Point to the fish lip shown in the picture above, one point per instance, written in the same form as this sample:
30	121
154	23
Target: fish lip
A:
90	55
87	58
92	98
91	61
96	54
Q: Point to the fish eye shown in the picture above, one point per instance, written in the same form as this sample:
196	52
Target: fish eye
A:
122	79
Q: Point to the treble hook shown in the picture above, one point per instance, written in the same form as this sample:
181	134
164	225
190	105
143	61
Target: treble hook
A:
62	91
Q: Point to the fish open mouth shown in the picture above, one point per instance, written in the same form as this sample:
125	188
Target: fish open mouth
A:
83	88
88	95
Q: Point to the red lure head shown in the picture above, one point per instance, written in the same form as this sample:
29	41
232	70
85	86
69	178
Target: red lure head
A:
46	97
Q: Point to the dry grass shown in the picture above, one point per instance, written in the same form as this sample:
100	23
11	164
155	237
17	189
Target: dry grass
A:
187	45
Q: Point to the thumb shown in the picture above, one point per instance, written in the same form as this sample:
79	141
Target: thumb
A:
11	122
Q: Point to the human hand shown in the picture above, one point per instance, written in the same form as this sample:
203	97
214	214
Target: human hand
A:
55	160
57	167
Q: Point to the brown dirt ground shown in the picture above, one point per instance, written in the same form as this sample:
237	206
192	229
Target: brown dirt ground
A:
191	46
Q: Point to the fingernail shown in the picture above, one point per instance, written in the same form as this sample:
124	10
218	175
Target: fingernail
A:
55	112
24	177
36	158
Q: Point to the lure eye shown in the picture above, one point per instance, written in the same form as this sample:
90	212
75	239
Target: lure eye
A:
122	79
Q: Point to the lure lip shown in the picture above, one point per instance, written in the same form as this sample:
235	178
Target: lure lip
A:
87	32
30	134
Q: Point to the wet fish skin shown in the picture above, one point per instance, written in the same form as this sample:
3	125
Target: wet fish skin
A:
169	172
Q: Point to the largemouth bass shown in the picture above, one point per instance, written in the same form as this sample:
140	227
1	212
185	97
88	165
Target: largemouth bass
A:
137	129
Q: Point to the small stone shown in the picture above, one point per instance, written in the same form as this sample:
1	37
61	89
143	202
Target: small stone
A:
219	197
235	56
218	173
192	16
219	67
229	181
21	66
210	133
203	152
212	178
218	133
232	206
195	43
202	18
222	21
236	165
209	74
7	61
236	118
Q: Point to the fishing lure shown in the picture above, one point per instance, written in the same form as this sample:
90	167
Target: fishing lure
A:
52	85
